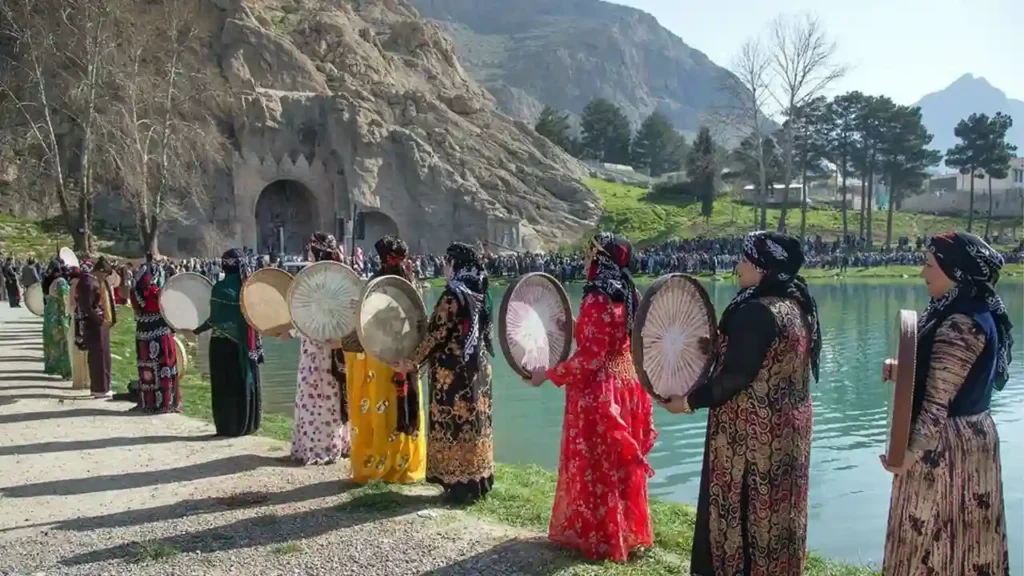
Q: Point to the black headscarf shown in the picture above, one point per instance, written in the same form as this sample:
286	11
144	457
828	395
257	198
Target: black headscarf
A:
469	285
778	257
974	267
236	261
54	271
609	273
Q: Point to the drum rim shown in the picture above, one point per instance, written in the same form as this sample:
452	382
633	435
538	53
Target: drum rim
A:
36	287
637	340
410	290
305	270
160	301
506	299
179	346
264	272
898	443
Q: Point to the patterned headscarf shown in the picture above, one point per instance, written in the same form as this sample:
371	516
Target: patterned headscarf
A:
974	266
469	285
778	257
150	281
322	246
393	252
609	273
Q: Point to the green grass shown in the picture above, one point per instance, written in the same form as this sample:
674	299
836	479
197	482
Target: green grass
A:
151	551
521	497
648	218
287	549
42	239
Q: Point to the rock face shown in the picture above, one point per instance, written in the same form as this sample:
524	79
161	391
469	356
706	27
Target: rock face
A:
532	53
968	94
366	106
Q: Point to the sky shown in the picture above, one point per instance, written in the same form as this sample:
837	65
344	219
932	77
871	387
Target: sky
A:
902	48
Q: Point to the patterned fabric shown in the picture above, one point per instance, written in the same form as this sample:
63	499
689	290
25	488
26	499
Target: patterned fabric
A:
778	257
609	273
461	455
974	266
57	329
156	354
469	285
947	512
757	498
381	450
600	505
320	435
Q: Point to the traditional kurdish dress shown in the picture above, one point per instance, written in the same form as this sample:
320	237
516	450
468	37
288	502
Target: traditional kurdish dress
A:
947	512
57	330
385	417
608	430
460	449
92	333
156	351
235	355
752	505
79	358
321	433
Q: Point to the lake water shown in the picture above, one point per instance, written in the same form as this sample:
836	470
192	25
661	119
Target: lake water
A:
849	488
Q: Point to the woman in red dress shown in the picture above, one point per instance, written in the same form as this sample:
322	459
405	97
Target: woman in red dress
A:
601	502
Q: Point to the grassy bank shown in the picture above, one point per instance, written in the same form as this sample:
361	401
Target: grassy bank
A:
647	218
42	239
521	498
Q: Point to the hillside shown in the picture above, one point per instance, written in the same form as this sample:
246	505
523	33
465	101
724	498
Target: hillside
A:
531	53
646	218
968	94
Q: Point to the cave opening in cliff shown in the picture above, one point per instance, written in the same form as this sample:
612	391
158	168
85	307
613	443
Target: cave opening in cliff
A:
378	224
285	217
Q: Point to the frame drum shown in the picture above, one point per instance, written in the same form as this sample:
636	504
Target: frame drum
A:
901	406
674	314
392	319
264	301
185	300
323	301
535	324
34	300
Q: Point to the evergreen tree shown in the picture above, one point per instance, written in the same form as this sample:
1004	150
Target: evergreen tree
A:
702	170
606	132
554	126
997	158
657	146
903	156
968	156
841	141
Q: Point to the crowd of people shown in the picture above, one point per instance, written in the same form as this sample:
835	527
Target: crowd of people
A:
947	508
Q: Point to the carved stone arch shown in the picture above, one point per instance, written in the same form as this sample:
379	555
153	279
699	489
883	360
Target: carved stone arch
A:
286	216
377	224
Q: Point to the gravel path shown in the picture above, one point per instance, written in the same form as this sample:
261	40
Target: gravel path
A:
87	488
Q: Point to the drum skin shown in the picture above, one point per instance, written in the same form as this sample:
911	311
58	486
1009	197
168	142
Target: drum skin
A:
392	319
264	301
323	301
535	324
185	300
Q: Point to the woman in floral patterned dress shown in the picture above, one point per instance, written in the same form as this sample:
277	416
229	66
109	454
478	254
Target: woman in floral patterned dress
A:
460	447
321	431
600	503
56	322
387	421
947	514
752	505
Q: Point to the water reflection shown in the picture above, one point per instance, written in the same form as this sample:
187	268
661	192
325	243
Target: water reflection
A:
849	489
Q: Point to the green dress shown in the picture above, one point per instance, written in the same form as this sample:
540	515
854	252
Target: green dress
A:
56	329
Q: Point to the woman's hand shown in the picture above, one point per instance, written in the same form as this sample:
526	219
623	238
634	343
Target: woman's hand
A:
677	405
887	369
536	378
909	460
285	336
404	366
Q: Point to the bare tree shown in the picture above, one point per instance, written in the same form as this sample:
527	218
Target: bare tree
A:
160	143
802	62
748	98
55	54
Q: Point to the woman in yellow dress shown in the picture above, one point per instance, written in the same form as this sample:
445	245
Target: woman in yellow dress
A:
385	418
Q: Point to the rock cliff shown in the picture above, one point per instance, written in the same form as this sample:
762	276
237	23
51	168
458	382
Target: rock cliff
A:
365	103
532	53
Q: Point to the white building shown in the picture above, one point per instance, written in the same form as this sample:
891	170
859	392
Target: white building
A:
950	194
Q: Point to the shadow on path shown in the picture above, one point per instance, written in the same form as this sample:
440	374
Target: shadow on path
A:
265	530
59	414
74	486
31	378
97	444
44	396
34	386
534	556
198	507
22	359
